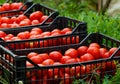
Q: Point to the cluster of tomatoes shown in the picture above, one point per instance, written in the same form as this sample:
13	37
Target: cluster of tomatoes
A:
71	55
11	6
35	18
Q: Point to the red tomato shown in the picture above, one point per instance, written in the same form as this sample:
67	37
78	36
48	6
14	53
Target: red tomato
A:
106	55
1	9
64	59
2	34
35	22
36	15
64	30
25	22
15	38
48	62
20	18
34	33
56	31
102	51
37	29
23	35
6	6
44	17
66	79
112	50
87	57
72	60
37	59
46	34
94	51
94	45
5	20
55	55
82	50
44	56
4	25
32	54
71	52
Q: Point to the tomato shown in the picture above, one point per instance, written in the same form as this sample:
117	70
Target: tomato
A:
2	9
16	5
82	50
23	35
48	62
2	34
32	54
94	51
44	17
46	34
20	18
87	69
87	57
4	25
94	45
5	20
37	59
25	22
64	30
102	51
55	34
35	22
72	60
55	55
71	52
56	31
106	55
66	79
28	64
44	56
110	65
64	59
37	29
15	38
36	15
6	6
112	50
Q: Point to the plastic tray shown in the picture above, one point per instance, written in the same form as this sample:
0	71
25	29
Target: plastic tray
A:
59	23
9	13
20	73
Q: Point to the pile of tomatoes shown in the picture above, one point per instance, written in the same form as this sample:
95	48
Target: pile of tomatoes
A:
11	6
35	18
71	55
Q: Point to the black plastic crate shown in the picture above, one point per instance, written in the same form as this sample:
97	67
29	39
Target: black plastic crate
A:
59	23
9	13
14	62
52	14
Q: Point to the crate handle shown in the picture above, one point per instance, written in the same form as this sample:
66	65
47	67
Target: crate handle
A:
118	50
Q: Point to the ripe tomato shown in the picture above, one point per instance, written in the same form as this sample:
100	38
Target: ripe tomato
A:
4	25
37	29
82	50
36	15
44	17
94	51
64	59
56	31
6	6
64	30
5	20
71	52
87	57
46	34
66	79
20	18
25	22
112	50
102	51
44	56
94	45
37	59
32	54
2	34
55	55
48	62
23	35
1	9
72	60
35	22
106	55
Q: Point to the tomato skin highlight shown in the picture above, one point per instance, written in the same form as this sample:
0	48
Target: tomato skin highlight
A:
71	52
